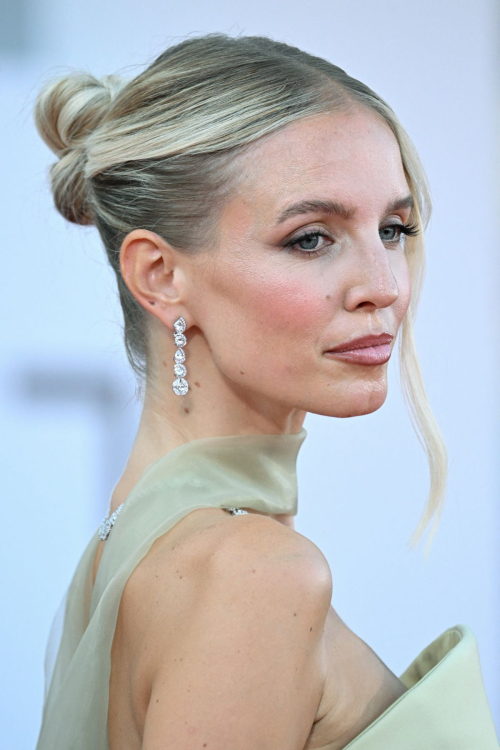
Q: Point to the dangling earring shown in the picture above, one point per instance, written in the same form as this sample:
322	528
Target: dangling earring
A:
180	386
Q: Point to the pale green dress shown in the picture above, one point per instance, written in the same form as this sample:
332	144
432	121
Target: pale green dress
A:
445	707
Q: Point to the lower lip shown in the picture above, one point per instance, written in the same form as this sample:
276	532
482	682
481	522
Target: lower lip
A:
367	355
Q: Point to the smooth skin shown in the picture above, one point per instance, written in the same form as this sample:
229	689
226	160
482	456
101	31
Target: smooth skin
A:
259	318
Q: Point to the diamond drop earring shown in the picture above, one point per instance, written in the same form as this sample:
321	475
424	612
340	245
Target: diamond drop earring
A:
180	386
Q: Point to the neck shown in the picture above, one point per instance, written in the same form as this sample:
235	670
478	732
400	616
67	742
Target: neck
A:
215	404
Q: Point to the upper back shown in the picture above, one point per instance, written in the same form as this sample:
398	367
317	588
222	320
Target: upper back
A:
232	617
215	603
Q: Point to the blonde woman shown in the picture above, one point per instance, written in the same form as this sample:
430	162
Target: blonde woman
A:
264	213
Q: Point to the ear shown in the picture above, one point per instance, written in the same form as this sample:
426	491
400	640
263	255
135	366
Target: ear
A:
152	270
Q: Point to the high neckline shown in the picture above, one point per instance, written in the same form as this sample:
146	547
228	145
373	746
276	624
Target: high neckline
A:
246	471
264	464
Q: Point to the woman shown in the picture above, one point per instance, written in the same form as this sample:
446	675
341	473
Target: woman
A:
264	213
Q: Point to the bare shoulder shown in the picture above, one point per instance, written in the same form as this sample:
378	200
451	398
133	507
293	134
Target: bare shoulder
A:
271	563
260	540
226	598
208	544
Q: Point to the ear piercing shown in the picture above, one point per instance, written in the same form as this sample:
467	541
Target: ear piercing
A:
180	386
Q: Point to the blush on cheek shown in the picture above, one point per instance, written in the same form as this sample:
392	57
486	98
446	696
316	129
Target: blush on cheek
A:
294	307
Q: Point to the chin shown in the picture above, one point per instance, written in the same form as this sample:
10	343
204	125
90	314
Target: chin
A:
350	404
359	411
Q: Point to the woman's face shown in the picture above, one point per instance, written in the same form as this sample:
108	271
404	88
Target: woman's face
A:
270	304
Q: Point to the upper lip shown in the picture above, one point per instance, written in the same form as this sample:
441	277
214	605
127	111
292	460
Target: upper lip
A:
359	343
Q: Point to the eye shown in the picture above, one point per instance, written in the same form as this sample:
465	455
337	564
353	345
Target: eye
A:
310	238
403	229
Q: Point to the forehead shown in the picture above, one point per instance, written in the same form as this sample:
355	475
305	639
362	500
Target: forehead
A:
352	157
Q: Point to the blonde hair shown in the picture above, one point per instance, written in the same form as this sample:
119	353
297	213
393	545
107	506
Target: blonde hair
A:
159	152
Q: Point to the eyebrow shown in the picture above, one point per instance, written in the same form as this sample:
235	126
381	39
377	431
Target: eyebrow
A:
336	209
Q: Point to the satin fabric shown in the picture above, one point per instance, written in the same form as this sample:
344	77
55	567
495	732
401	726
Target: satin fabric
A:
446	704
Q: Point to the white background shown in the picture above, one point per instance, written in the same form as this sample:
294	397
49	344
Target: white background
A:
68	414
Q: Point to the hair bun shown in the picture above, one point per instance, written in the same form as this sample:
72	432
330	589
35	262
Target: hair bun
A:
66	111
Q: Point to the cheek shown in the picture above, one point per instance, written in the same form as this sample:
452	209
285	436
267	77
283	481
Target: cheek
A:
295	306
402	274
259	318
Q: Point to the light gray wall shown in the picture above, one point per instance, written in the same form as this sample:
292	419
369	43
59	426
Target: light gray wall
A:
68	413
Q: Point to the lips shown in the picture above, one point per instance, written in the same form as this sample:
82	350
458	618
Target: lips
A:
363	342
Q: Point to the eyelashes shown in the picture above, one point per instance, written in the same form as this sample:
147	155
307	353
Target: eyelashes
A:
404	230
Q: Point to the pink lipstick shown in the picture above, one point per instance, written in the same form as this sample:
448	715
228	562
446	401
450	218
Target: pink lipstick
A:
367	350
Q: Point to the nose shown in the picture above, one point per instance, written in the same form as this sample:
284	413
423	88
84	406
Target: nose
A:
373	281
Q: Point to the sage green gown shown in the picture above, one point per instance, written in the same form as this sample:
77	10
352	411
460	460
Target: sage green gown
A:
445	706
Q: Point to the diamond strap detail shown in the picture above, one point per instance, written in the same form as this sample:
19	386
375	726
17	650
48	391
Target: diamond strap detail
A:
108	522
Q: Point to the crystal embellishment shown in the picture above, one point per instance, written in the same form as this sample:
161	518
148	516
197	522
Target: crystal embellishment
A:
180	325
235	511
108	523
180	386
